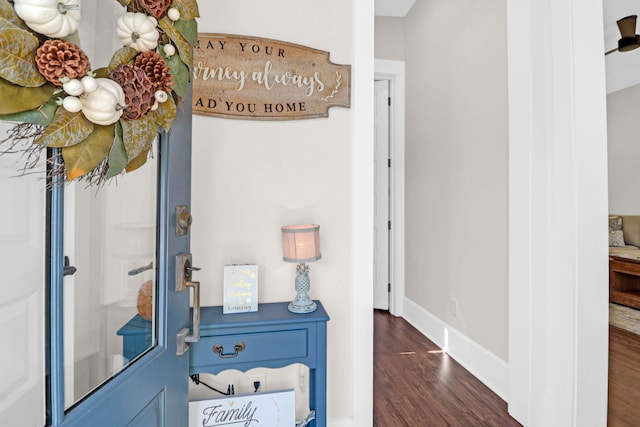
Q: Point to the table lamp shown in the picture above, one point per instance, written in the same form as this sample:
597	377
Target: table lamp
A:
301	244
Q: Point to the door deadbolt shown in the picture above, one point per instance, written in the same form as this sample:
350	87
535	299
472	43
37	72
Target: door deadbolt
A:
183	220
184	271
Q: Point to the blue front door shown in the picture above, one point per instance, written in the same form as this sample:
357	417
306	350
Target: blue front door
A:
150	386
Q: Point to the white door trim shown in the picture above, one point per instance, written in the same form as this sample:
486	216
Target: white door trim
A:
558	294
394	71
361	384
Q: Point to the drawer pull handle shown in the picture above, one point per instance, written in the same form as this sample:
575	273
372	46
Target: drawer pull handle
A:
219	350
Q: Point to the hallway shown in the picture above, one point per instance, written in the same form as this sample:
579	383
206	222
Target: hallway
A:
415	384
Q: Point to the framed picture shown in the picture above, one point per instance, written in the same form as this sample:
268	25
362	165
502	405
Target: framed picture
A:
240	288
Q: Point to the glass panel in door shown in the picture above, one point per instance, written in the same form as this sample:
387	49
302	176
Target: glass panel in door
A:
22	237
110	242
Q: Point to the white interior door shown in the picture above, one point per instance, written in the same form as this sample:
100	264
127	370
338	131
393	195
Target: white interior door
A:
22	368
381	195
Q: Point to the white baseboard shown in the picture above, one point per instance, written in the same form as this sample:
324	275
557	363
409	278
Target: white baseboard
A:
482	364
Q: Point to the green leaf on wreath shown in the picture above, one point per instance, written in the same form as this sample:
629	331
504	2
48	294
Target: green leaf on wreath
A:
180	74
17	53
165	113
7	13
82	158
188	29
67	129
188	9
138	161
124	2
138	135
101	72
124	55
42	115
183	46
5	22
15	98
117	155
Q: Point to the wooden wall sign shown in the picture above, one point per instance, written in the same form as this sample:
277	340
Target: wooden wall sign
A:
256	78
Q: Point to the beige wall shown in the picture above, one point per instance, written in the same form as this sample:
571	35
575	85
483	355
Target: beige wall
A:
389	38
457	166
251	177
623	150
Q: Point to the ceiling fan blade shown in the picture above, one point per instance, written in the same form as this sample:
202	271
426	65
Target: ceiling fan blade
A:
610	51
627	26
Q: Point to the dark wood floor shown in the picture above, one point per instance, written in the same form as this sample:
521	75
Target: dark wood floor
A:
416	385
624	378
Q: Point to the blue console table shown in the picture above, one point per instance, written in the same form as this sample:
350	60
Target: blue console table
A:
272	337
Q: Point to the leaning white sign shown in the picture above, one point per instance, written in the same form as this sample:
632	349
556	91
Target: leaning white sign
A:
272	409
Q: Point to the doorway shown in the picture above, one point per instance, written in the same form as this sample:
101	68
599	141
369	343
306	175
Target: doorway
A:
391	74
381	196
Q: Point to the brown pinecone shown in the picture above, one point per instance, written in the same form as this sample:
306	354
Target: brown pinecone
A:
155	8
138	90
156	70
59	58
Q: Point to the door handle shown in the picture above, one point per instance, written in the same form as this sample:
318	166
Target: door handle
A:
184	273
195	337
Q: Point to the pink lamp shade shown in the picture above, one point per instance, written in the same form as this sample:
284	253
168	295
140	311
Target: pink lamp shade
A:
301	243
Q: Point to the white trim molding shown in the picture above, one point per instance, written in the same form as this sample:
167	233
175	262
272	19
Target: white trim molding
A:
558	275
361	351
480	362
394	72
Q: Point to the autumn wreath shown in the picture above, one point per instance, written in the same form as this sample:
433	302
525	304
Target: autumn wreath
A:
105	120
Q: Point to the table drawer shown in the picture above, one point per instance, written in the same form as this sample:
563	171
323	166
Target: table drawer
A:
258	347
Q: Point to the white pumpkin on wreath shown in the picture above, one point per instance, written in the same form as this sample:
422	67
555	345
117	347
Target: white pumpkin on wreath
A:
53	18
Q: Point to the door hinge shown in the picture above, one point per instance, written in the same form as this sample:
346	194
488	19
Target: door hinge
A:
389	288
389	101
389	224
68	269
389	162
